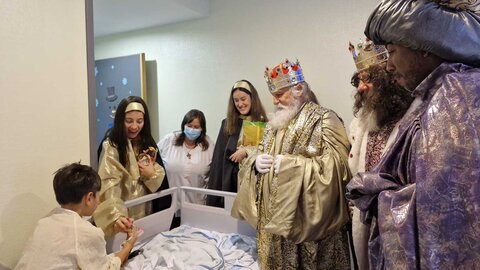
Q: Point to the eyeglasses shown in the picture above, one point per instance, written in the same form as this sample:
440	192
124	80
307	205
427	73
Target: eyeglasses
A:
356	80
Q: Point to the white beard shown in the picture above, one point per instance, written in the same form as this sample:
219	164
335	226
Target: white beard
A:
283	115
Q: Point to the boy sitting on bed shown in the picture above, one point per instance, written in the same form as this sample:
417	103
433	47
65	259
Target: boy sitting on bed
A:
63	239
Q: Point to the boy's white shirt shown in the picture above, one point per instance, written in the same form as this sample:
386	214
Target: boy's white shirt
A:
64	240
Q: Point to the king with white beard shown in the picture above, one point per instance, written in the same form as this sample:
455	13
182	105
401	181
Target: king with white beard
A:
292	190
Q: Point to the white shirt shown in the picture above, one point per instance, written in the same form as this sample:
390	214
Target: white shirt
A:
63	240
186	167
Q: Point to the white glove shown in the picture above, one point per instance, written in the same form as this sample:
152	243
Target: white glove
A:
263	163
276	164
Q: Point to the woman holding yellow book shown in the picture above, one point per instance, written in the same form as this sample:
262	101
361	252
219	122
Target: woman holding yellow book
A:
239	134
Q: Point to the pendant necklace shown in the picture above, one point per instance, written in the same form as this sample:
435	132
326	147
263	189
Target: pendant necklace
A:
189	149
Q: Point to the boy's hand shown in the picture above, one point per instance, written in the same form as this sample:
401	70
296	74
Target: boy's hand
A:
133	234
129	243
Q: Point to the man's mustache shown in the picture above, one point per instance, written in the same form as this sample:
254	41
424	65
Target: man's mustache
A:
280	107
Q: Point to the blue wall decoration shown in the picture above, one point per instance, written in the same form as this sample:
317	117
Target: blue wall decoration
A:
117	78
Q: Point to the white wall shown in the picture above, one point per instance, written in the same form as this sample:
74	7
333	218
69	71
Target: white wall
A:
198	61
43	79
43	110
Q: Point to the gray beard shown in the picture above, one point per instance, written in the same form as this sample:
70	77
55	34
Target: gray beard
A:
282	115
369	120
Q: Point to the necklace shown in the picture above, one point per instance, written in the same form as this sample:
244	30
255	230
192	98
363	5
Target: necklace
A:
189	149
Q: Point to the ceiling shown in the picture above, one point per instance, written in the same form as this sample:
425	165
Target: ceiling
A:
116	16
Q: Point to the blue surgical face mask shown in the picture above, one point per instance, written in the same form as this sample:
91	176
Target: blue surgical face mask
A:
191	133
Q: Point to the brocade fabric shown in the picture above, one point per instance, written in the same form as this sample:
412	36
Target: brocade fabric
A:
424	195
120	184
300	213
376	142
368	146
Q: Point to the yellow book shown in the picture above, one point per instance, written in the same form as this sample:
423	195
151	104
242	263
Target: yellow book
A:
252	132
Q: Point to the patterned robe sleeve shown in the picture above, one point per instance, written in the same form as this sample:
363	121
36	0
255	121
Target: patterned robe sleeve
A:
154	182
118	185
307	200
111	205
244	206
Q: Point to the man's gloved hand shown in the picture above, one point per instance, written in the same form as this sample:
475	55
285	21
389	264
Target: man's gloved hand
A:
263	163
276	164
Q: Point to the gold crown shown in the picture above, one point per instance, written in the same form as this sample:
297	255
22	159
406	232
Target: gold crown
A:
367	54
283	75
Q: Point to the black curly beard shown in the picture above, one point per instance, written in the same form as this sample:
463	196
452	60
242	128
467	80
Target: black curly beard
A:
386	102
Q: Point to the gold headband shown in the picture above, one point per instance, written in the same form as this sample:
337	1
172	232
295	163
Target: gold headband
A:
242	84
135	106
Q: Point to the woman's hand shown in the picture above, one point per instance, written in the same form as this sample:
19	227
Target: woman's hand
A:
147	170
239	155
123	224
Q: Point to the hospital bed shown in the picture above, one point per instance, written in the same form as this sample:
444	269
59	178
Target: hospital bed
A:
208	238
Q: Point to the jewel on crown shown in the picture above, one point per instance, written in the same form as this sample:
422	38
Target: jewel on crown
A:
367	54
283	75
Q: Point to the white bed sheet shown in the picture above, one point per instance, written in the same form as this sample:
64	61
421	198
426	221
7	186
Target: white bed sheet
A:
187	247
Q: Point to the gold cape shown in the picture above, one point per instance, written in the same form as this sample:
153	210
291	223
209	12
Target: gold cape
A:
305	201
121	184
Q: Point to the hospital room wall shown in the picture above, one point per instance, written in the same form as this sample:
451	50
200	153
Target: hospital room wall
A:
194	64
43	110
44	106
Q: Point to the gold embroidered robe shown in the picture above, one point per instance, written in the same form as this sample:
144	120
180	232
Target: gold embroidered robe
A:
300	212
121	184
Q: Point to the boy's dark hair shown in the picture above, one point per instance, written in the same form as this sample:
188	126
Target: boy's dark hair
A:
74	181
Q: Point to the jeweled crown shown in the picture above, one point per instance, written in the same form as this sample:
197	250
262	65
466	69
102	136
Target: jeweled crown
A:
283	75
367	54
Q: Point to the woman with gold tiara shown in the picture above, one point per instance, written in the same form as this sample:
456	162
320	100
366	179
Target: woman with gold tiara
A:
239	135
129	168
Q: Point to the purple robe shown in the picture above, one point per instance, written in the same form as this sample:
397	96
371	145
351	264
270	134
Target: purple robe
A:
424	195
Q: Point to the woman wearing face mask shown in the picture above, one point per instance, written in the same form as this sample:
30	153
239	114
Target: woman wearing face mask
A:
129	168
187	155
239	135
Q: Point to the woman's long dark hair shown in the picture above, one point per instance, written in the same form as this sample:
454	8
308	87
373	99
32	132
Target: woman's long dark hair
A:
117	135
257	112
188	118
